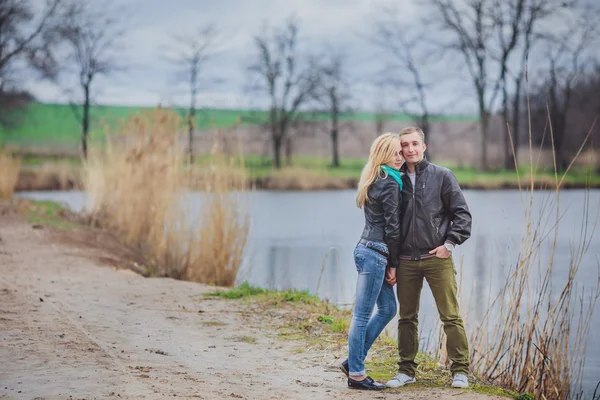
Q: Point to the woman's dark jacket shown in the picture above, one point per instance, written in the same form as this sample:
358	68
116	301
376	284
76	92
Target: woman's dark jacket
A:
382	216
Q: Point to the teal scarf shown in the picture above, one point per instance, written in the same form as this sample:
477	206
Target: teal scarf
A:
394	174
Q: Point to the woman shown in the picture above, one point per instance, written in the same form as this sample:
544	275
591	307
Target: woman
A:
375	255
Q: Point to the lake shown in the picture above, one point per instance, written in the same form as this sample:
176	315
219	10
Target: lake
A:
305	240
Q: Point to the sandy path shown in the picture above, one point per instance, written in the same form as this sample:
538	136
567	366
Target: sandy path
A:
72	328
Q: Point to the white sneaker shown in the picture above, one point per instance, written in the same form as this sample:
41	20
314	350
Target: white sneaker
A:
400	380
460	381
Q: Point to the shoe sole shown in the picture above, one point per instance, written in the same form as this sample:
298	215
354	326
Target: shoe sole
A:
345	371
364	388
405	383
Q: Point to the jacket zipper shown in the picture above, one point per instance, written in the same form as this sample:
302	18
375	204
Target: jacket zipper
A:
414	218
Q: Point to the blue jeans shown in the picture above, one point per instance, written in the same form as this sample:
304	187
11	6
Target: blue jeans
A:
371	289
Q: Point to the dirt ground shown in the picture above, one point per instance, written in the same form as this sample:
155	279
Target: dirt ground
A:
73	326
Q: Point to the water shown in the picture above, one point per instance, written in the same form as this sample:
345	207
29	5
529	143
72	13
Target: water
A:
305	240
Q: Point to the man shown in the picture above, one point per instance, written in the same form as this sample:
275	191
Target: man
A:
435	219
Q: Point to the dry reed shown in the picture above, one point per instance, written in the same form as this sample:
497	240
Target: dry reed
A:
224	220
136	183
533	339
9	173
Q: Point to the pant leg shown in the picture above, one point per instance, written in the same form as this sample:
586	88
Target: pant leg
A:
371	272
409	281
441	277
386	310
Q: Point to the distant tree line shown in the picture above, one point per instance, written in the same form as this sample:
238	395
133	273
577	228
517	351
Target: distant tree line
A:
529	63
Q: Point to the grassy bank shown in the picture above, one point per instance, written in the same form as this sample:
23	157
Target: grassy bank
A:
306	173
297	315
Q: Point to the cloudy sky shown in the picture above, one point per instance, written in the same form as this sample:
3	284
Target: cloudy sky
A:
149	78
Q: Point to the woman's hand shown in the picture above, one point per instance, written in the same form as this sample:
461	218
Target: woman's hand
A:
390	276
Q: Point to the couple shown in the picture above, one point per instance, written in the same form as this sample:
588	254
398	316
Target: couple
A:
415	214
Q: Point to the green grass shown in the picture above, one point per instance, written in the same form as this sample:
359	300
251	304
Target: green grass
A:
243	339
36	160
321	326
525	396
47	213
326	319
350	168
471	176
245	290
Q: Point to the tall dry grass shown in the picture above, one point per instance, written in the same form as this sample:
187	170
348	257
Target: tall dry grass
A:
224	217
9	173
533	338
137	182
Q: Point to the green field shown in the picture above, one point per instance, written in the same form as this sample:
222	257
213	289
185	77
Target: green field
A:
57	124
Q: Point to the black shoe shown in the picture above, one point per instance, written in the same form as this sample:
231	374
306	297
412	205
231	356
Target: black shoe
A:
344	368
366	384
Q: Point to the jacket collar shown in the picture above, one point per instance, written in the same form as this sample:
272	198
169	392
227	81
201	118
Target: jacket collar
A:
420	167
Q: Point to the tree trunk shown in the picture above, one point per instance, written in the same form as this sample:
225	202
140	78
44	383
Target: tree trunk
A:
335	161
485	124
192	113
516	118
558	120
288	151
379	123
559	124
191	118
85	126
509	160
276	150
425	127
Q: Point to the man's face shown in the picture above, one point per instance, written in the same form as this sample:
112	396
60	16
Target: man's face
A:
413	147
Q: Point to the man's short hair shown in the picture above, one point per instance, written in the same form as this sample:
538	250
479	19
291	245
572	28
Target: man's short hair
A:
413	129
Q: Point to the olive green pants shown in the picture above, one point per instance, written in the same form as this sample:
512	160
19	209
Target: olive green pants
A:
441	277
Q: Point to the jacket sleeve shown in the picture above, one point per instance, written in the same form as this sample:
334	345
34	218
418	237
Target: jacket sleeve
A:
456	206
390	202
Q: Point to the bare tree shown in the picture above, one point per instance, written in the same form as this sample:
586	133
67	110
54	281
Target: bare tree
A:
570	57
518	29
334	92
473	31
282	77
194	50
27	38
92	32
411	52
487	33
477	26
508	17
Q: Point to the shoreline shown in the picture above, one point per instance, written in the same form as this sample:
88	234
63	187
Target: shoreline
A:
44	180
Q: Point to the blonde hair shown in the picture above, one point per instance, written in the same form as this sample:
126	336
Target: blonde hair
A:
382	152
413	129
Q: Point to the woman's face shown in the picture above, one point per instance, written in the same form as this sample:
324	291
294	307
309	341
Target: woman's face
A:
396	162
